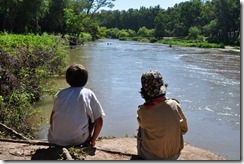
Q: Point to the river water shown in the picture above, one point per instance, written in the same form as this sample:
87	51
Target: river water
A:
205	81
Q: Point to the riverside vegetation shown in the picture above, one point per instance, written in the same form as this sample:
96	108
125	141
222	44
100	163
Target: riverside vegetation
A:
26	63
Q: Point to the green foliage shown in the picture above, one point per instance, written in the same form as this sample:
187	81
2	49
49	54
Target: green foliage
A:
190	43
85	37
123	34
112	33
92	28
77	153
144	40
102	32
160	24
151	32
143	32
131	33
193	33
23	16
153	40
26	62
214	19
74	22
211	28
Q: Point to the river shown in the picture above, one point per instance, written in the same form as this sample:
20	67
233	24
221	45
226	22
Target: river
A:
205	81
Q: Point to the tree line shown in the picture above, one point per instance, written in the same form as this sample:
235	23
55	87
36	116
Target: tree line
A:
218	20
51	16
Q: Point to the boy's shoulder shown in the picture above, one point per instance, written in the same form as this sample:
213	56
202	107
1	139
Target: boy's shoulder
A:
87	90
174	99
76	89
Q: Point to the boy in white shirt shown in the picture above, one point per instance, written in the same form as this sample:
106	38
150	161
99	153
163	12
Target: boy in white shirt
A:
77	115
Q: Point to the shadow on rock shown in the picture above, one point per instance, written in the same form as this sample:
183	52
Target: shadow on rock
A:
57	153
136	157
51	153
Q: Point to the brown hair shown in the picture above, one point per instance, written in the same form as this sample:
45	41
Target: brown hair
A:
76	75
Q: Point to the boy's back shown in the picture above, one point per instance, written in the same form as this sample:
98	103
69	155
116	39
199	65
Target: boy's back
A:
74	108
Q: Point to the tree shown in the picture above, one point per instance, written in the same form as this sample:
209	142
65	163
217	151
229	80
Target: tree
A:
211	29
160	23
79	16
92	27
92	6
131	33
228	18
73	22
7	14
123	33
102	31
208	13
143	31
29	14
194	32
54	19
112	33
189	15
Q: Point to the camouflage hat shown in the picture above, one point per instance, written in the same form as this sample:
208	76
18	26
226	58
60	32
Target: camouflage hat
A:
153	84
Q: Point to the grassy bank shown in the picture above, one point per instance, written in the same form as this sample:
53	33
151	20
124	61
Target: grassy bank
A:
177	41
26	63
190	43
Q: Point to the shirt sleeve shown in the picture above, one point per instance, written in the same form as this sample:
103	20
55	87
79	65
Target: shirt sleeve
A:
184	126
55	103
96	107
182	118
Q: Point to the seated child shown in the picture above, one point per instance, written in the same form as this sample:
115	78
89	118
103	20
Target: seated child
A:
77	115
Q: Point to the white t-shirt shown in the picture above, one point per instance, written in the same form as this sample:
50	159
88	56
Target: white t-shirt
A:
72	108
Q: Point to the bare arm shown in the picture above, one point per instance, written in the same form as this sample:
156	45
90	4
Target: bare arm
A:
97	129
51	118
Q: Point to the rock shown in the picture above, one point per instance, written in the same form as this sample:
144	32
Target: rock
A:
105	149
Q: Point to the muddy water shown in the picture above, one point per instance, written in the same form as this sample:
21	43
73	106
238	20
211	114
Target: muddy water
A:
205	81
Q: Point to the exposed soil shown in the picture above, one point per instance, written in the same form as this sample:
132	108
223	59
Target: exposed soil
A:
105	149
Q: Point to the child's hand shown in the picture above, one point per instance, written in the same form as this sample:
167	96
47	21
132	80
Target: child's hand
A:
93	141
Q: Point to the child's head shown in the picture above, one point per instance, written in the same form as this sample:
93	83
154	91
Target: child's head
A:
152	85
76	75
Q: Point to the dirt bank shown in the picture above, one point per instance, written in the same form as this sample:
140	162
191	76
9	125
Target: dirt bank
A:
105	149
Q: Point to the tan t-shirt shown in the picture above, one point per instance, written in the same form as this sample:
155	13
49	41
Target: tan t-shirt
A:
162	127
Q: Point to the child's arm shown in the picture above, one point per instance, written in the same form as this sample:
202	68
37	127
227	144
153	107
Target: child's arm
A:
51	118
97	128
184	126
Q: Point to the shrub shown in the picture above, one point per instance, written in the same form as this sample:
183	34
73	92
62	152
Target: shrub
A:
26	62
194	32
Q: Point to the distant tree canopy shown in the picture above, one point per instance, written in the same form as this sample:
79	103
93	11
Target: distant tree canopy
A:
219	20
53	16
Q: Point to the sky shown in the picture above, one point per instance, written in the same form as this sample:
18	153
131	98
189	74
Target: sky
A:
136	4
